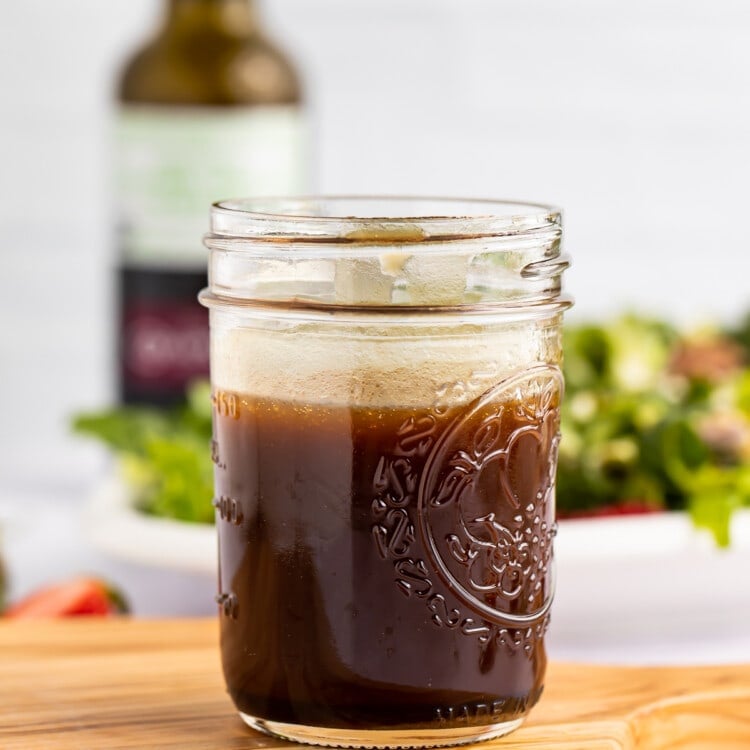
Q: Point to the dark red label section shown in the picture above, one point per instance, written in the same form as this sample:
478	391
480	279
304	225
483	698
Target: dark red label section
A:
163	335
165	345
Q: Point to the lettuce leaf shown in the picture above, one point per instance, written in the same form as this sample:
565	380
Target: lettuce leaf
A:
165	456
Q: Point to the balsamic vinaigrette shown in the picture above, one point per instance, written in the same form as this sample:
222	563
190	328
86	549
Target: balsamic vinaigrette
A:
387	568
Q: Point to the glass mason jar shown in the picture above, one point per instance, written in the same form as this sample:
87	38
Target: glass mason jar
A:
386	392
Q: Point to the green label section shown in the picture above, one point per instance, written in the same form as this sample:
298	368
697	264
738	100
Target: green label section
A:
172	164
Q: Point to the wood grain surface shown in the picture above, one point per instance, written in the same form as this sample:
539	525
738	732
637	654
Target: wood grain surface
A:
89	683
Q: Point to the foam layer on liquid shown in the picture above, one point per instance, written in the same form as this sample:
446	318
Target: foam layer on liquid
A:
316	364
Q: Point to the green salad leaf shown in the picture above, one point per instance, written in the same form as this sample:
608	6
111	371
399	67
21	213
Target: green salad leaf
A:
658	417
165	456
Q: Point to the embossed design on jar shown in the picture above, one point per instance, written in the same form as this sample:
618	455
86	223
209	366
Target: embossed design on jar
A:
501	451
499	455
395	486
503	556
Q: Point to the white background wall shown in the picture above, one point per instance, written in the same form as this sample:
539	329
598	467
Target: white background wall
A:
635	117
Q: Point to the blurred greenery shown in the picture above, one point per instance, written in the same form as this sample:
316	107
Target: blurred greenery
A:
656	417
165	456
653	418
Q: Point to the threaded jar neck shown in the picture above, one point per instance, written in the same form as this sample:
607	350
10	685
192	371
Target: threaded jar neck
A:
404	253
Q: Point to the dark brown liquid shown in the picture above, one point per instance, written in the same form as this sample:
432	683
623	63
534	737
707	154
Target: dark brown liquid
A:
368	558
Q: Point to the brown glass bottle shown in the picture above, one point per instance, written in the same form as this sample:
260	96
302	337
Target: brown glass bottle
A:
209	107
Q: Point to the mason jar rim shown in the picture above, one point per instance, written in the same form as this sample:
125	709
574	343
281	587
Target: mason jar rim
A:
351	254
353	219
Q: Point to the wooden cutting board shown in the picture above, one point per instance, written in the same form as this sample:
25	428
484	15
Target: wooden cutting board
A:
92	684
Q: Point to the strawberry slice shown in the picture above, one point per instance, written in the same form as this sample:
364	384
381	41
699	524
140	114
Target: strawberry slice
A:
81	596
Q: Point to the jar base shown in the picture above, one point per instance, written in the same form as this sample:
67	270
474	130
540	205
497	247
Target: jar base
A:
381	738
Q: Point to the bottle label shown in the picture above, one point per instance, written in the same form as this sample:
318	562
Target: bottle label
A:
171	165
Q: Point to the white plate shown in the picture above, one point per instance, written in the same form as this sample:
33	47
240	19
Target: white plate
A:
651	589
120	530
655	535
